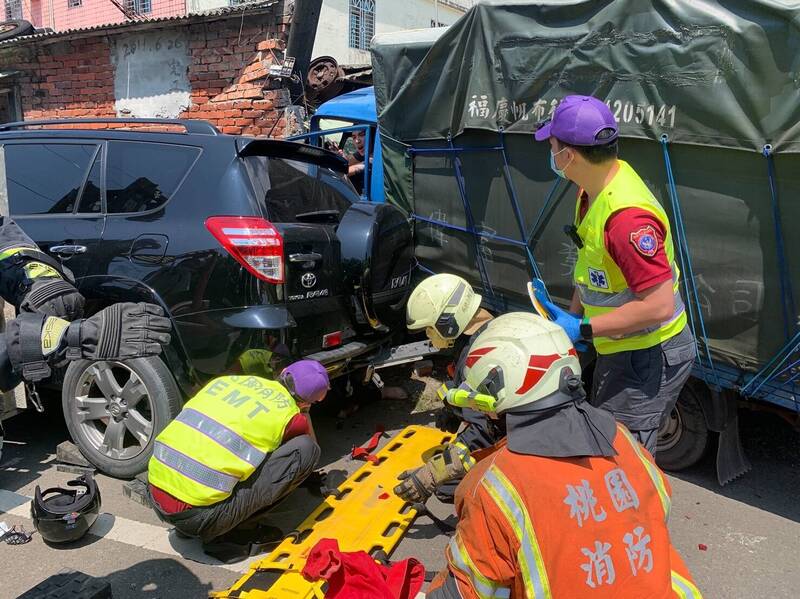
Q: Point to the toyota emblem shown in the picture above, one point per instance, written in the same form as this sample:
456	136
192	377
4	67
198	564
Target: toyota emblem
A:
308	280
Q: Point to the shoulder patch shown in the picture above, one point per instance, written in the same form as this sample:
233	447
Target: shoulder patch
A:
645	241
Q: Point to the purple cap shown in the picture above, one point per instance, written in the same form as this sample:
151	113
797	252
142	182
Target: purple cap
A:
307	380
578	120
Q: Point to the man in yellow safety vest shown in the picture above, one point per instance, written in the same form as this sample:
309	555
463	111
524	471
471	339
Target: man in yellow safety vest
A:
238	447
626	300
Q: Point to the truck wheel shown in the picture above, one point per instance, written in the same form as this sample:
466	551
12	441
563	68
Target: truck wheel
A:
114	410
683	438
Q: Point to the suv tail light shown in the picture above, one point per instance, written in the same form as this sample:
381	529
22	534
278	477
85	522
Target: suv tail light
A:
254	242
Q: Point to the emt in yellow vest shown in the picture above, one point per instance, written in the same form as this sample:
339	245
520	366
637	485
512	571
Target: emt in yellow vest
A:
627	300
238	447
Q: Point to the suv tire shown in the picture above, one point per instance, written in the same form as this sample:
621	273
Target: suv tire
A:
114	411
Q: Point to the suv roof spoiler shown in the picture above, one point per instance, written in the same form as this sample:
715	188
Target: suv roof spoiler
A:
278	148
190	125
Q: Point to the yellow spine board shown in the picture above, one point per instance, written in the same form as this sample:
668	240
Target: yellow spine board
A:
365	515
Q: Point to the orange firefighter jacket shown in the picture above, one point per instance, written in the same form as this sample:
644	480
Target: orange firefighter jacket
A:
543	527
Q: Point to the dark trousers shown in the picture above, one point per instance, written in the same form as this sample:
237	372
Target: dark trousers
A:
273	480
641	387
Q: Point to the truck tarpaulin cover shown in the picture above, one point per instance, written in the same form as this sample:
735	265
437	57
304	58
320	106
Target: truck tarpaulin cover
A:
719	78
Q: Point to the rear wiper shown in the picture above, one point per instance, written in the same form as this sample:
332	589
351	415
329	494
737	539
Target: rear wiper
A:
319	215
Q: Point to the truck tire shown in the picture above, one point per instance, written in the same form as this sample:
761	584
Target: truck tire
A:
114	411
14	28
683	438
377	251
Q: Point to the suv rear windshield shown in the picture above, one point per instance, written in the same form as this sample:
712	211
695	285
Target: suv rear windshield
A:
291	188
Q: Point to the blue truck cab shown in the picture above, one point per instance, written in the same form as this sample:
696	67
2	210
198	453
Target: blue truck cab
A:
337	119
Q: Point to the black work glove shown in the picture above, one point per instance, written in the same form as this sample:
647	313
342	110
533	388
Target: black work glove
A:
119	332
53	297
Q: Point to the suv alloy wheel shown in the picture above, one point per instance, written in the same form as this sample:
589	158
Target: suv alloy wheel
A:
114	411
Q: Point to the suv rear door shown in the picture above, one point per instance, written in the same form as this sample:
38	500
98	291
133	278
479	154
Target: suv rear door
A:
141	178
55	194
305	202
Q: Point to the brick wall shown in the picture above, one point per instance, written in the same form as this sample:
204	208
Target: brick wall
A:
228	77
228	64
67	79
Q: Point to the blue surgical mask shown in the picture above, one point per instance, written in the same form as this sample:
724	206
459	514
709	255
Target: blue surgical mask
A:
556	170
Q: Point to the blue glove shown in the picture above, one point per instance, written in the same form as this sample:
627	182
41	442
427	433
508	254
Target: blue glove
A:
566	320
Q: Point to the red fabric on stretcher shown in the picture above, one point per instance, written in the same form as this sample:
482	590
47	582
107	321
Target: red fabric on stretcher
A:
357	576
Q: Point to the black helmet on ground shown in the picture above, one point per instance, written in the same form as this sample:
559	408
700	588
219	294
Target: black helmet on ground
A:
65	515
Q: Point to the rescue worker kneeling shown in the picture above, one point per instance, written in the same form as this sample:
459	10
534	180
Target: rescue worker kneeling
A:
450	312
237	448
572	506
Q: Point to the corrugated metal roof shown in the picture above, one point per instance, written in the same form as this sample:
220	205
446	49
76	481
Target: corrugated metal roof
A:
139	23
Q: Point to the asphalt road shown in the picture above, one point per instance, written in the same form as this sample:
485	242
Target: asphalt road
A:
739	541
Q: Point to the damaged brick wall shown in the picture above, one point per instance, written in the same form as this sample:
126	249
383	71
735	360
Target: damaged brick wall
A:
228	77
228	62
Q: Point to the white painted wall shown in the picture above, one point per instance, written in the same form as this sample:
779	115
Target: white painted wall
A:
150	74
333	34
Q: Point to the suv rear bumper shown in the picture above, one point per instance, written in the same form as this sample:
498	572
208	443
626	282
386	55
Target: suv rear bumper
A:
215	340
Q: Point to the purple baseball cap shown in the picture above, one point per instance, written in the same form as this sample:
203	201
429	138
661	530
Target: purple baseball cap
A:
578	120
307	380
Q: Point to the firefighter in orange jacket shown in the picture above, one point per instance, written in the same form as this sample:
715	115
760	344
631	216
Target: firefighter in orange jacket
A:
573	506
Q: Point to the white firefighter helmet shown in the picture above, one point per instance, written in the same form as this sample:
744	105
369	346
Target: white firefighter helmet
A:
516	362
443	305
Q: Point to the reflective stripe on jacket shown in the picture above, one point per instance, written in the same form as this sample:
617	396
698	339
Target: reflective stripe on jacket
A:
220	437
540	528
600	282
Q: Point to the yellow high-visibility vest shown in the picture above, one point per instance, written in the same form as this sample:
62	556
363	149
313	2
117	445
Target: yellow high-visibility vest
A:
600	281
220	437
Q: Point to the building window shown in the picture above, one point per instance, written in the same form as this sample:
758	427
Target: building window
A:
138	6
362	23
13	9
74	3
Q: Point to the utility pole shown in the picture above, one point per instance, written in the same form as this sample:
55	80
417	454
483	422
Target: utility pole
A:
436	11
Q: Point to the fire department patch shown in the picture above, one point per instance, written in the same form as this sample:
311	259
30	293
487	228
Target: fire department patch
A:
645	241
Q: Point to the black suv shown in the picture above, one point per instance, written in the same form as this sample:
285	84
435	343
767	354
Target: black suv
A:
259	250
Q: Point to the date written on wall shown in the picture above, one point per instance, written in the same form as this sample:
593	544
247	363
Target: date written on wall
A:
148	44
630	112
